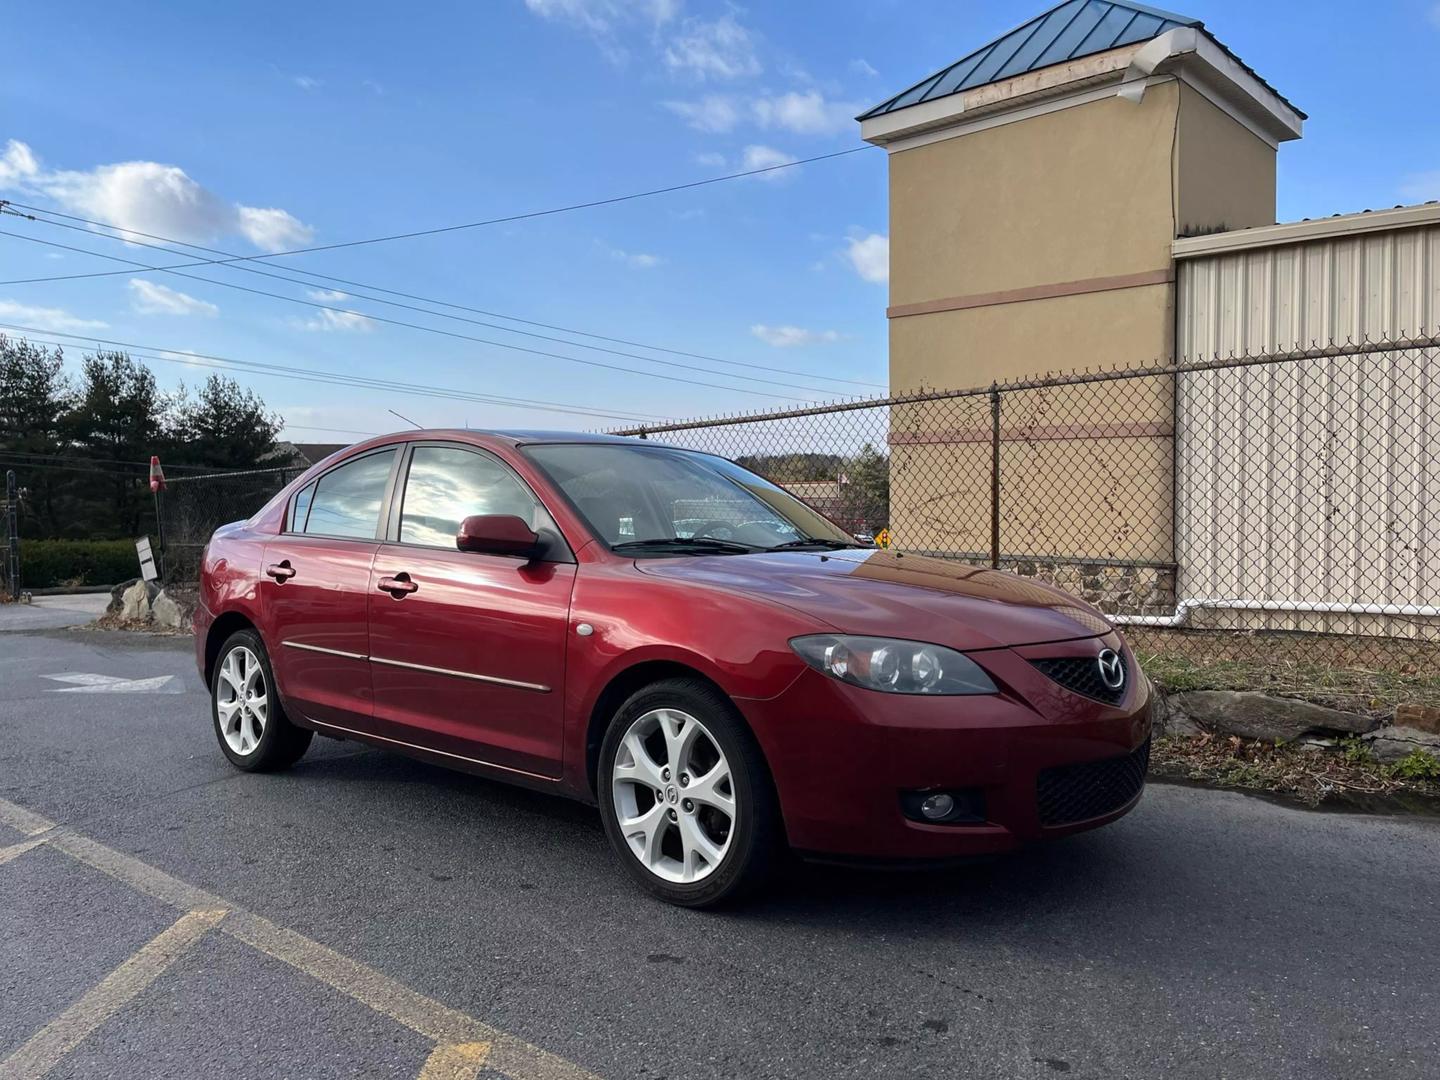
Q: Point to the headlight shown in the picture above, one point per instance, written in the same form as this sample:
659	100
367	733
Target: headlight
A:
894	667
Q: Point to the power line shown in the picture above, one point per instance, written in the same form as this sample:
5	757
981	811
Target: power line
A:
338	430
532	214
28	465
89	460
429	329
203	360
393	303
231	260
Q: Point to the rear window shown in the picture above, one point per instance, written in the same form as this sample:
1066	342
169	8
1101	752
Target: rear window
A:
346	500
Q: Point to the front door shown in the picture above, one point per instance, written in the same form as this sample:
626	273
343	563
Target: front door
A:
468	650
316	587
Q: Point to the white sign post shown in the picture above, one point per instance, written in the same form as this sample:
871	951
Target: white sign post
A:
147	559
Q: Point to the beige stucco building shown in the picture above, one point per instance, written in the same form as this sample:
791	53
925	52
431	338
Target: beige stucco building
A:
1037	186
1094	190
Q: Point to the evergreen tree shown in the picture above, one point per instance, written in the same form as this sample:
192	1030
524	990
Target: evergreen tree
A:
226	426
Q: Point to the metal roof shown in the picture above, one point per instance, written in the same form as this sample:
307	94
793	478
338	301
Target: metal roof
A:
1074	29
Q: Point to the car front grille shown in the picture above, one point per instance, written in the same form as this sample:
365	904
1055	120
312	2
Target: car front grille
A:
1082	675
1071	793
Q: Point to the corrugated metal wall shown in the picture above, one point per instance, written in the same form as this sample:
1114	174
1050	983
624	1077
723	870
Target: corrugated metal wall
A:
1322	484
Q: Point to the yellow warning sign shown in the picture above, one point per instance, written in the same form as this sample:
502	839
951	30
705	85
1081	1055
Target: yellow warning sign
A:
882	538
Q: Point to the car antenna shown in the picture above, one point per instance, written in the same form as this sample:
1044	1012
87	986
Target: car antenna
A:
407	419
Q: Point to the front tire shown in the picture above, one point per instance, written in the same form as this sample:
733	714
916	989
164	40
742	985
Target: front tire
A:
250	723
685	795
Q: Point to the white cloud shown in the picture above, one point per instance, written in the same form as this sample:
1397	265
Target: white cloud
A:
270	229
870	256
1421	187
860	66
148	196
326	320
602	19
306	82
788	337
17	164
713	113
722	49
639	259
767	157
152	298
805	114
710	160
46	318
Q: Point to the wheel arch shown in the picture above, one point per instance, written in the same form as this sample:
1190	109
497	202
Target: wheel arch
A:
220	630
624	683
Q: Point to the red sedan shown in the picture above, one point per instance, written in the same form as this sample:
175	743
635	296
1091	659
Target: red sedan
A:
724	671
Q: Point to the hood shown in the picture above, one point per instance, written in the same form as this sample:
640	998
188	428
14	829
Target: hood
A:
905	596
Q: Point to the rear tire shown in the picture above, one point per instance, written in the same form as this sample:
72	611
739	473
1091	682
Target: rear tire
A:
250	722
685	796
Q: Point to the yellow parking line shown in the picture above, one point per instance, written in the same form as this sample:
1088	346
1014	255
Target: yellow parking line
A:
17	817
455	1062
43	1050
8	853
439	1023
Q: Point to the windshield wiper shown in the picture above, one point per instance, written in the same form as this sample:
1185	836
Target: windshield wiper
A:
818	542
704	545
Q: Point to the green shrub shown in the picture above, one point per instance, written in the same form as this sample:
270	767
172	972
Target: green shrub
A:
1417	765
47	563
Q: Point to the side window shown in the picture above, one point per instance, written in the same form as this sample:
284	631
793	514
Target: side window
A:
347	500
446	485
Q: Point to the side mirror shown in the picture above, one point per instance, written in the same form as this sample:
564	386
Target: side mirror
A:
498	534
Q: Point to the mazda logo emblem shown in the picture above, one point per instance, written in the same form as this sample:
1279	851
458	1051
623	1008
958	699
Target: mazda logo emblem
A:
1112	669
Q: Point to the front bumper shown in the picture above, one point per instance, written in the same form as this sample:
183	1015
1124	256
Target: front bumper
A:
841	757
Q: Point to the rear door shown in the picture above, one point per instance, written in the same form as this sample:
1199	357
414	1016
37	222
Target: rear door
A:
316	588
468	655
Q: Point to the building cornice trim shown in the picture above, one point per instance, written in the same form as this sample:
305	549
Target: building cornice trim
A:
1034	292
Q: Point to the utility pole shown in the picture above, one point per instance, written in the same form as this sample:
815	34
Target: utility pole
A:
12	533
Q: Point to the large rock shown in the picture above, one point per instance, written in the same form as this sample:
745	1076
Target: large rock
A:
167	613
135	603
1424	717
117	594
1393	743
1168	720
1260	716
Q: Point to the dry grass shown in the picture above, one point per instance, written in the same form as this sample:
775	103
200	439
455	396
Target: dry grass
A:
1368	675
1311	774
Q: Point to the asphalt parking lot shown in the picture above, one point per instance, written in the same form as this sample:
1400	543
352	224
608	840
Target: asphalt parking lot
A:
162	915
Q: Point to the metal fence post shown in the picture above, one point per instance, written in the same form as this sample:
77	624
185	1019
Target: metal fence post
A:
12	532
995	475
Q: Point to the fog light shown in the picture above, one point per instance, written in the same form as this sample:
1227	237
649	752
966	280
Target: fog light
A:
938	807
949	806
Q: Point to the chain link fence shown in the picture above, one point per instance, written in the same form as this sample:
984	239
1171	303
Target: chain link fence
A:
1274	508
193	507
1277	511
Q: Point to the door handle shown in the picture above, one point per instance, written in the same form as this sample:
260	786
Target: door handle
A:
281	571
399	586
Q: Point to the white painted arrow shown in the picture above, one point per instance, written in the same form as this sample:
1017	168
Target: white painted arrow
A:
85	683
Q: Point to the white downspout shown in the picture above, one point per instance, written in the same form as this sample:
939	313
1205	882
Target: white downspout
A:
1183	39
1183	609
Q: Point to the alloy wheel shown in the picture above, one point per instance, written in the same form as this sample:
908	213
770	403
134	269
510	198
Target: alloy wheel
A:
241	700
673	796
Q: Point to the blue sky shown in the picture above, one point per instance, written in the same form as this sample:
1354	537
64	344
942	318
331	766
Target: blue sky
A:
266	126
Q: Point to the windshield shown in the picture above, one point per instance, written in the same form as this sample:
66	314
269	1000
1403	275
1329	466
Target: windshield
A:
674	499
